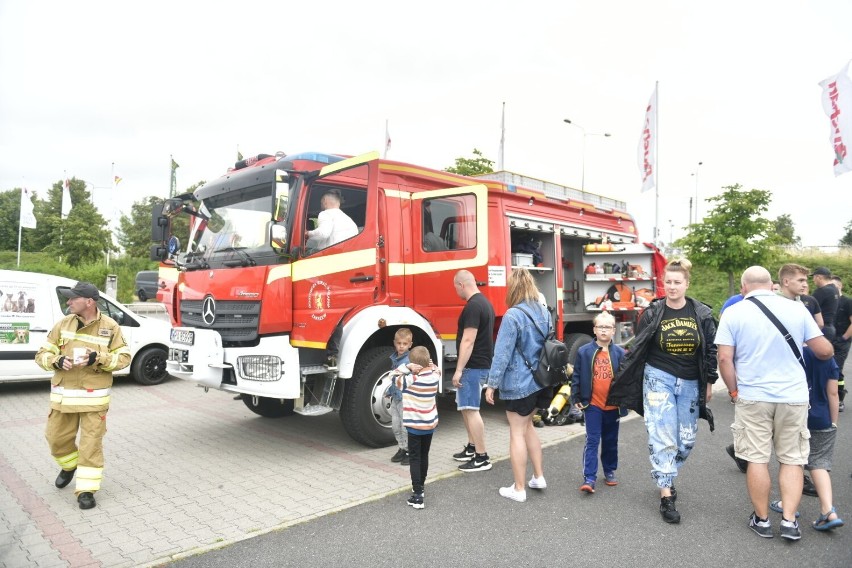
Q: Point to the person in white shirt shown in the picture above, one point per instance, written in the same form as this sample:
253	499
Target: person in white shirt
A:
333	225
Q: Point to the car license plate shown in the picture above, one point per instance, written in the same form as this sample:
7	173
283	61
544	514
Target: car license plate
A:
183	337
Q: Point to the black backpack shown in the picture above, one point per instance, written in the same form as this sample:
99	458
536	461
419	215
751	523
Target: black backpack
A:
552	360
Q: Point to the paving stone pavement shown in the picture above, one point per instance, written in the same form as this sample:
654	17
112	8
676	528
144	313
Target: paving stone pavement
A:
188	471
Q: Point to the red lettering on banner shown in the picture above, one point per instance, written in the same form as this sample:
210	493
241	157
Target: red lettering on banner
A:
646	142
839	146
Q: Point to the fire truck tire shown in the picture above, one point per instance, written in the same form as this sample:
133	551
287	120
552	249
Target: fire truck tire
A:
268	407
149	366
573	342
361	411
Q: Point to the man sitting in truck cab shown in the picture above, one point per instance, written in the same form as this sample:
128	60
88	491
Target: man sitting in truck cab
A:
333	225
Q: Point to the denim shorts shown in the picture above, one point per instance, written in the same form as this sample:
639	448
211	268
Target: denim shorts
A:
469	394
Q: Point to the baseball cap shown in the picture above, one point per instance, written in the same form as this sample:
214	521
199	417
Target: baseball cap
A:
821	271
82	290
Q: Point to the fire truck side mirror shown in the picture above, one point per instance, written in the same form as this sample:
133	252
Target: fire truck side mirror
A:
159	223
159	252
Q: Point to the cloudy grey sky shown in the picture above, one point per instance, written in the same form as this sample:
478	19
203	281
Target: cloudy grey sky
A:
84	85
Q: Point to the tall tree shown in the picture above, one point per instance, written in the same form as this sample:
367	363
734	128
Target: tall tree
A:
785	231
733	235
846	241
82	237
479	164
10	216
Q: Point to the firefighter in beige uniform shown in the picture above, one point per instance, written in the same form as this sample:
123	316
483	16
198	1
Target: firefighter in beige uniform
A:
83	350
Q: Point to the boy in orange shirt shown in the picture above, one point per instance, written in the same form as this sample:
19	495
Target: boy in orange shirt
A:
594	370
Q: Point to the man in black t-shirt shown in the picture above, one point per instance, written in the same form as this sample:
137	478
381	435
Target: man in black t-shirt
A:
826	294
843	337
475	349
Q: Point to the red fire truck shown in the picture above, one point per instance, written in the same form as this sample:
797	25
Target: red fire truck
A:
259	310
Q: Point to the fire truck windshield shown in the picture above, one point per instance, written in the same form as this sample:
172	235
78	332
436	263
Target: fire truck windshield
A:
234	229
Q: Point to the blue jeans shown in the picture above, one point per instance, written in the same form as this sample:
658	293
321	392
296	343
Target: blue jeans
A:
601	430
469	394
671	418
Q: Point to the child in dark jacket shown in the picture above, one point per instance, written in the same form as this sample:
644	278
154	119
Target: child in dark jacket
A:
594	369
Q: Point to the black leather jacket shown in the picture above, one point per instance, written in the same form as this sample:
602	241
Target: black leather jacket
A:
626	389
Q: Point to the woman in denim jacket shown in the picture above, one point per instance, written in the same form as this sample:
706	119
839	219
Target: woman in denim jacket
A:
518	342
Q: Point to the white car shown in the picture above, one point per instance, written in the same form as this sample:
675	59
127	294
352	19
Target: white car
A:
30	304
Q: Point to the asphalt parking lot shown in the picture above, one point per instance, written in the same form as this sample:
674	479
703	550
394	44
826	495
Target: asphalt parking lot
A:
188	471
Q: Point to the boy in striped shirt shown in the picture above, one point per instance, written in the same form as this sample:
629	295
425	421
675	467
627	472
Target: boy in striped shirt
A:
419	416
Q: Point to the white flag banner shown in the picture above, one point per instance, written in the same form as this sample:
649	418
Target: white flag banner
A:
837	104
387	139
28	220
647	144
66	198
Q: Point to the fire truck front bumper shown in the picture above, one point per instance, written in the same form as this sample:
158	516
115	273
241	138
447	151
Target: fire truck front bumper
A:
269	369
196	355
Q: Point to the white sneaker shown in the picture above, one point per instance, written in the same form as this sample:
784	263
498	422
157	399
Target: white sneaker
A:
537	482
511	493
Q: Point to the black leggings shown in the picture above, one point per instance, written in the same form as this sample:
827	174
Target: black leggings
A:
418	452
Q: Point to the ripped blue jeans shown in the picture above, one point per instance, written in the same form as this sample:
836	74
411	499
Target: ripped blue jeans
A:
671	418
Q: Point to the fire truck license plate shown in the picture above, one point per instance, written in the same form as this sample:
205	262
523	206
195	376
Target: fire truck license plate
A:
183	337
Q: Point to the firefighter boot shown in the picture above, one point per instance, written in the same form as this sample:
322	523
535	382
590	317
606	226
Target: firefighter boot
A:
65	477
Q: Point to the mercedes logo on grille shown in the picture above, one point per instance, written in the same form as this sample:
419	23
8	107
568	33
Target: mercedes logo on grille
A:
208	310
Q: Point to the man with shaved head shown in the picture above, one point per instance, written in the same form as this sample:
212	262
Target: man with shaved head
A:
767	383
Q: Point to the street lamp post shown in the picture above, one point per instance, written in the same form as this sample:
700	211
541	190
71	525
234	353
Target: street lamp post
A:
695	173
583	130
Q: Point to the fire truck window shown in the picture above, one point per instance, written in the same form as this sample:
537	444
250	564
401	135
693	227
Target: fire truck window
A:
352	203
453	223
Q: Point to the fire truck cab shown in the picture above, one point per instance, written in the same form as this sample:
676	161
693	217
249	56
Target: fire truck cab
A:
295	325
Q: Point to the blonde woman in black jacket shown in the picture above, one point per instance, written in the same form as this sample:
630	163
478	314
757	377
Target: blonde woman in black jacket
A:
667	376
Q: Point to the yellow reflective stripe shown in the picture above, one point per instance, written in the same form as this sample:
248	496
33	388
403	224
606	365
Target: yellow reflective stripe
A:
113	362
59	389
278	273
349	162
85	338
47	346
82	401
397	193
88	478
68	462
308	344
325	265
55	397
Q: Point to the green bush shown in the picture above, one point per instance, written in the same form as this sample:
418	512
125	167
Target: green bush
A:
711	286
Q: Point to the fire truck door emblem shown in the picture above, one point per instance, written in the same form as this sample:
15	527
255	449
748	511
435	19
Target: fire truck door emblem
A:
208	310
319	300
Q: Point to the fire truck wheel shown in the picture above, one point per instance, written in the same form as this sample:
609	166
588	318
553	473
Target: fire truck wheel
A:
573	342
365	417
268	407
149	366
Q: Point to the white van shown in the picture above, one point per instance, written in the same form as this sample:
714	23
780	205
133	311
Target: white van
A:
30	304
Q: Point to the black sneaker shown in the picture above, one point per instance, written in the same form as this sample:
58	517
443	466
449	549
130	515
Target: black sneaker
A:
466	454
808	487
761	527
674	493
741	463
790	529
668	511
406	459
397	457
416	501
478	463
